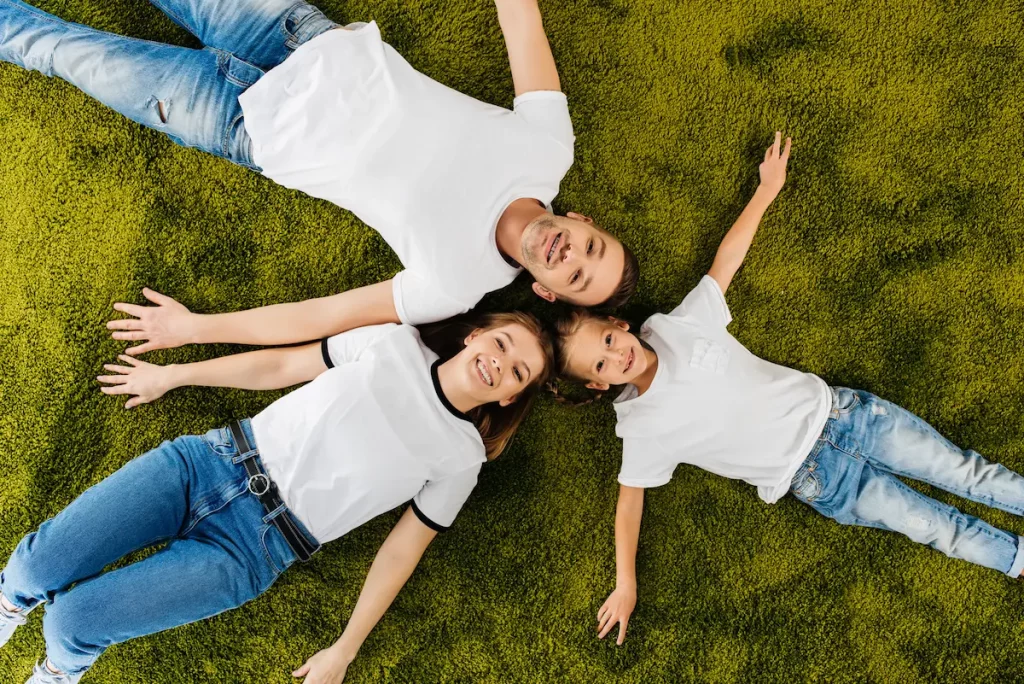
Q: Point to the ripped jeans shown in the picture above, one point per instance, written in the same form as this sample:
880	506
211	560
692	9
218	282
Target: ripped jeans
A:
852	476
191	95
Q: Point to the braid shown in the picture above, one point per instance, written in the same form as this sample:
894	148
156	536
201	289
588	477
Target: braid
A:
552	387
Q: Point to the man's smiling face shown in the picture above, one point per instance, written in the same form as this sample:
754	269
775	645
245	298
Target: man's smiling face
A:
572	259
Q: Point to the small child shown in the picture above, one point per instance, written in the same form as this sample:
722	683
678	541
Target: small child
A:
695	395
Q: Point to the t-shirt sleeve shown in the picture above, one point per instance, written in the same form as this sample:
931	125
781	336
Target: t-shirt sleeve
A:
419	301
706	303
644	464
349	345
547	110
437	504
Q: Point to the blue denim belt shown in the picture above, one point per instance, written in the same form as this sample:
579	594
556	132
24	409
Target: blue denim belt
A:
264	489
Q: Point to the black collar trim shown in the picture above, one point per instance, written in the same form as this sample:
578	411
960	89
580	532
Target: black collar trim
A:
440	395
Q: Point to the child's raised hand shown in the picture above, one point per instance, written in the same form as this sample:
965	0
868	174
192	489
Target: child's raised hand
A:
145	381
616	609
773	169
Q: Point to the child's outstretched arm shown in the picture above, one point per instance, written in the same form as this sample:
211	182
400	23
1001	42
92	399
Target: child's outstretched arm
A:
169	324
620	605
737	241
391	569
257	370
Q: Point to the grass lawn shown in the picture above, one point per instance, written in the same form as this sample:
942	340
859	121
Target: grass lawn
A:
893	262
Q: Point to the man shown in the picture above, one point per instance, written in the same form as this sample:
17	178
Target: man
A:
460	189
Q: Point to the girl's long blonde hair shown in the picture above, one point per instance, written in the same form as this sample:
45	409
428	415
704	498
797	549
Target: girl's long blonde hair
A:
497	424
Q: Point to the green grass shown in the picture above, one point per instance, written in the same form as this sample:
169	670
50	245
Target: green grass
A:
891	262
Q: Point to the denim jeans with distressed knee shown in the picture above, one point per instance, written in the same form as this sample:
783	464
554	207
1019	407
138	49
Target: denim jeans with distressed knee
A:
853	476
191	95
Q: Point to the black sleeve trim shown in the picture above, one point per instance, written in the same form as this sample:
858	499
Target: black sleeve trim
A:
425	520
326	352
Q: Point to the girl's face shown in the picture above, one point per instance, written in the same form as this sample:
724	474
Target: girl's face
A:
603	352
499	363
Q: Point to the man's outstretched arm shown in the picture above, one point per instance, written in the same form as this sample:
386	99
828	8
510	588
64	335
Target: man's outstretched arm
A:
169	324
529	53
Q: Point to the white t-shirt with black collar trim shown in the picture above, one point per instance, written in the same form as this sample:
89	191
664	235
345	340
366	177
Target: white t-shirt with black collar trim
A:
715	405
369	434
347	119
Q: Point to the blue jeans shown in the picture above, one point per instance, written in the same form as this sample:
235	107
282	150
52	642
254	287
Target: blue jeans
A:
221	550
191	95
852	476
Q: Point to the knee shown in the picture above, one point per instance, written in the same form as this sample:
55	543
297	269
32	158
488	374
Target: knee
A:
26	575
67	634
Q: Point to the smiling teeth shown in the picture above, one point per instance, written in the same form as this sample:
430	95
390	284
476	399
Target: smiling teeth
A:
484	372
554	243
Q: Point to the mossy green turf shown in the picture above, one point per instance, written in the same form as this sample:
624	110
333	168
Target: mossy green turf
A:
891	262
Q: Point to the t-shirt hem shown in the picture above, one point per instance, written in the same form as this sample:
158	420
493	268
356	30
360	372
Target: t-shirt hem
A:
644	484
779	490
721	299
426	520
539	95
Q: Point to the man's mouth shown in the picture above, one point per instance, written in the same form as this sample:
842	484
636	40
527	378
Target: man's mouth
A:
556	240
629	360
484	372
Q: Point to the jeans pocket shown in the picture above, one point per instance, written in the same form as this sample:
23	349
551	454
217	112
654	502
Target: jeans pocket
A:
236	70
844	400
276	552
304	23
806	486
220	443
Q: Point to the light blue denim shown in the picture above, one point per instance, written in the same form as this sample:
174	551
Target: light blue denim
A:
852	476
191	95
221	550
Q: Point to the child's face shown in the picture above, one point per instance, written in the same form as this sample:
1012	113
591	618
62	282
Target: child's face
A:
603	352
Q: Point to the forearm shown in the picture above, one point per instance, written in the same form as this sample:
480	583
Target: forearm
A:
312	319
628	515
737	241
391	569
264	369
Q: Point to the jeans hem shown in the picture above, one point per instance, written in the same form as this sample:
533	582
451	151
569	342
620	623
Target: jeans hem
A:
1018	560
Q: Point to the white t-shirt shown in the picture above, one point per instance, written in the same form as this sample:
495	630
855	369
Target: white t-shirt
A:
369	434
715	405
345	118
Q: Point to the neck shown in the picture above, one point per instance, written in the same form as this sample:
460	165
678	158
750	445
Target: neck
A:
512	224
644	380
452	390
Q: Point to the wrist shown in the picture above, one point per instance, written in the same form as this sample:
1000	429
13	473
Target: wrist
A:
626	581
344	651
766	194
195	328
175	376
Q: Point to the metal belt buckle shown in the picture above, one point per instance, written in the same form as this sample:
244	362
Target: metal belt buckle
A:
259	484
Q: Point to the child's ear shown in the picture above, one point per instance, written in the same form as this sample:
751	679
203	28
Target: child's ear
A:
579	217
507	402
598	386
472	336
619	324
543	292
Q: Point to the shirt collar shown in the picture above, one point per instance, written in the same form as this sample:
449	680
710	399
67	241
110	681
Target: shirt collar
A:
440	395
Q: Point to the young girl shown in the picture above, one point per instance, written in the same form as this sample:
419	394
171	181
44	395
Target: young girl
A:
390	417
695	395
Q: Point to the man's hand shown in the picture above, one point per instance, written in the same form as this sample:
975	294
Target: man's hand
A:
164	326
616	609
773	169
145	381
326	667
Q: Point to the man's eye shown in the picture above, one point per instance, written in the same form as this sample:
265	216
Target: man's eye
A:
590	247
608	340
600	365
